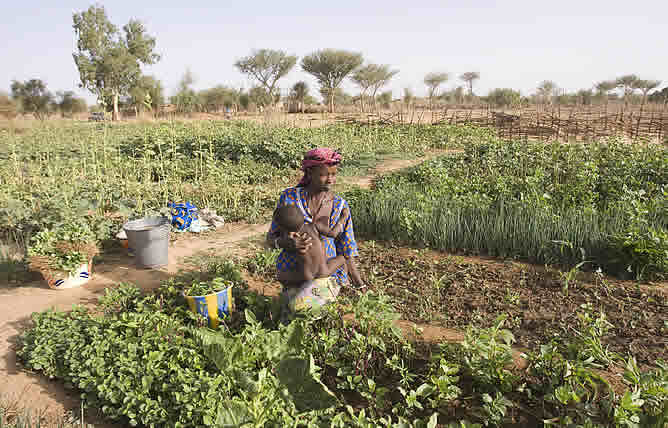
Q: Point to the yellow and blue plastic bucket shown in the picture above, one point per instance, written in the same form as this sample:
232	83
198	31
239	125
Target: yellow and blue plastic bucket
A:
212	306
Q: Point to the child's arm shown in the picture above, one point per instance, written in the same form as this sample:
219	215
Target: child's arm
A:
322	224
331	265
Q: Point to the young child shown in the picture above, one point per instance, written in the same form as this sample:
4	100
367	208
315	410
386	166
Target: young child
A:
314	264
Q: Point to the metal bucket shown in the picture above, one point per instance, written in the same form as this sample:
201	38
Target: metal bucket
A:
149	240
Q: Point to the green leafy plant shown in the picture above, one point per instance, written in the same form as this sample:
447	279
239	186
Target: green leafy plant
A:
486	356
204	288
146	361
263	262
123	297
646	404
62	249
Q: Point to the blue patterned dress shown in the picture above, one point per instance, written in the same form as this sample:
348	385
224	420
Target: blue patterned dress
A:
344	244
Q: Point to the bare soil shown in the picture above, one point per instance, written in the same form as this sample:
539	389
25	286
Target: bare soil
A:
449	291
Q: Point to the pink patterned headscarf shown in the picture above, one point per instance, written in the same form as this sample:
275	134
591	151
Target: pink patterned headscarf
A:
318	157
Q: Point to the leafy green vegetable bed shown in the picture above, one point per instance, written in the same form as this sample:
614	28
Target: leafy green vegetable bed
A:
105	173
547	203
146	360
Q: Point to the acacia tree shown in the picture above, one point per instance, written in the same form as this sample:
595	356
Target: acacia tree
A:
147	93
341	98
458	94
186	98
605	87
628	84
504	97
383	76
259	96
330	67
364	78
645	86
299	93
469	77
433	81
267	66
659	96
219	97
546	90
33	97
109	60
374	77
68	104
584	96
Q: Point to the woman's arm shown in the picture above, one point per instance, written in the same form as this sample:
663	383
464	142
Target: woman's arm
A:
347	246
354	273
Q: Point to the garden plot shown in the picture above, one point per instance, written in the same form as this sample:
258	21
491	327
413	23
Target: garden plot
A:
146	360
540	303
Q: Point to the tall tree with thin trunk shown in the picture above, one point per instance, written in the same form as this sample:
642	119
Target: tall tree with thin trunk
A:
267	66
408	97
604	88
628	84
374	77
330	67
185	99
645	86
108	60
458	95
469	77
299	93
584	96
383	76
364	77
433	81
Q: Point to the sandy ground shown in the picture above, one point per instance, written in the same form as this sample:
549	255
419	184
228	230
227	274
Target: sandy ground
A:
17	303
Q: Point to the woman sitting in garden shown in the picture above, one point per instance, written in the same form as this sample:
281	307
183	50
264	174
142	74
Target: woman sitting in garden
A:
315	200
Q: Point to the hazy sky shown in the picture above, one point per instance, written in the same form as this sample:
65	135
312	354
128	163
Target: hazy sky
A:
513	44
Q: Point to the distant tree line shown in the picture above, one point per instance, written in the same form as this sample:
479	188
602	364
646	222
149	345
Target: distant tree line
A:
110	59
33	97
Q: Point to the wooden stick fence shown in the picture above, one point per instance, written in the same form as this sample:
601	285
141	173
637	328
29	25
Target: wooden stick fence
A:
585	123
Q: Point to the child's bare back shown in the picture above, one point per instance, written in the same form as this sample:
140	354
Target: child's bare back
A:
314	263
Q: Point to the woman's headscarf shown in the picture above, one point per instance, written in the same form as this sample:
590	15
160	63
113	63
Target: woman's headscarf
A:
318	157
